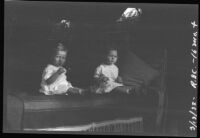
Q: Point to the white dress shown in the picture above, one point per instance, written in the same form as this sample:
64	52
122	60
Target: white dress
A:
61	85
111	72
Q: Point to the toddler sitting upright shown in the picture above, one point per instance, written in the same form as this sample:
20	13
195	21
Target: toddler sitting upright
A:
54	79
106	75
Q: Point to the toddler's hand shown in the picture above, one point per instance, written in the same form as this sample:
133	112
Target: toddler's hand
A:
119	80
104	78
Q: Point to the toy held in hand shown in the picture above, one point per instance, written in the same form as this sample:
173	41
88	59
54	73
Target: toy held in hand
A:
61	70
103	78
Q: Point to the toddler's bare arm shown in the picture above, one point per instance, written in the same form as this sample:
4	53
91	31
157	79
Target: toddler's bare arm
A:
53	77
119	79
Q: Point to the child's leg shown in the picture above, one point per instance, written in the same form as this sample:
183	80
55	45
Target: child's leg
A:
75	90
123	89
128	90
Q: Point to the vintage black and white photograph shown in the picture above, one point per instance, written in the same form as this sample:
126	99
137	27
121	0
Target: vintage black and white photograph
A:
100	68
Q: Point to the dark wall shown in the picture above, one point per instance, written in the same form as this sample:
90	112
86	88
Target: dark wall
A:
29	38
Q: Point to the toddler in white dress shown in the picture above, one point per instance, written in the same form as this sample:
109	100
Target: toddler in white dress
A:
54	79
106	75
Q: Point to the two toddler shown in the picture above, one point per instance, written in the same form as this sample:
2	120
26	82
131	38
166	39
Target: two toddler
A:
54	79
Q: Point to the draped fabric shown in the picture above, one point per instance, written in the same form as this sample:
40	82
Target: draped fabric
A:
134	70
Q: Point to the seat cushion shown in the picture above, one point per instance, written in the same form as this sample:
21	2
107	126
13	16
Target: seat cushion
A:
43	111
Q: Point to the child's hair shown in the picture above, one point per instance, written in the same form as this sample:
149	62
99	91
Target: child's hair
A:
110	49
59	47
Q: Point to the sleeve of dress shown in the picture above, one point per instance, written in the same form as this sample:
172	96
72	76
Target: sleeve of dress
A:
48	71
117	72
98	72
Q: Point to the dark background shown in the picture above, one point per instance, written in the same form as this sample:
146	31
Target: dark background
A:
29	39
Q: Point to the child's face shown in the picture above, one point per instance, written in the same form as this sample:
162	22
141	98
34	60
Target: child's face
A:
60	58
112	57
